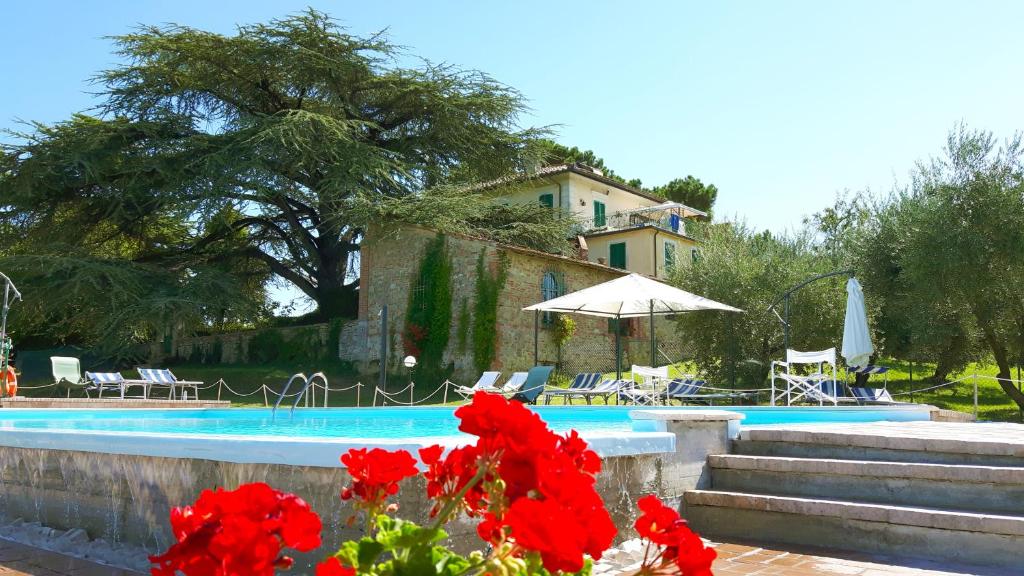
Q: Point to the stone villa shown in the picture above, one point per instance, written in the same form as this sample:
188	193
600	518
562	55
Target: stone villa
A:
620	229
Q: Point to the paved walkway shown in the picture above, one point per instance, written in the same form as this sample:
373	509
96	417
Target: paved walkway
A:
20	560
743	560
733	560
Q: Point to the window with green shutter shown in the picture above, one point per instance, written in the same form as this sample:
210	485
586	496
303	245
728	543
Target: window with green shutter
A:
617	255
547	200
599	220
670	256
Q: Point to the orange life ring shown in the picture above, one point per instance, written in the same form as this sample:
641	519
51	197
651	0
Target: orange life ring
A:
12	381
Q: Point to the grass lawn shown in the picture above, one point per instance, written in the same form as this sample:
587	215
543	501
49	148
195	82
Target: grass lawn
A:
244	387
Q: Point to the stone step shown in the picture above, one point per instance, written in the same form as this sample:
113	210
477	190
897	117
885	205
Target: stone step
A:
962	487
924	442
908	531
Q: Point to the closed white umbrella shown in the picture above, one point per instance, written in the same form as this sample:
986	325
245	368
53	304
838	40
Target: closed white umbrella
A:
857	348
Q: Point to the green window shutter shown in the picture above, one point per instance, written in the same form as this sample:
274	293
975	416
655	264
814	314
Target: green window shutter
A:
599	219
547	200
670	256
617	255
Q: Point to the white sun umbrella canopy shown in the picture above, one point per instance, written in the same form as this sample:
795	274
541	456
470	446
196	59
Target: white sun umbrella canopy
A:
857	348
630	296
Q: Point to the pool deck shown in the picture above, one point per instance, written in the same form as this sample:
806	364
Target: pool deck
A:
991	438
733	560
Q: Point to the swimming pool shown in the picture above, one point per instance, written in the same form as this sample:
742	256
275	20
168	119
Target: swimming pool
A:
317	436
398	422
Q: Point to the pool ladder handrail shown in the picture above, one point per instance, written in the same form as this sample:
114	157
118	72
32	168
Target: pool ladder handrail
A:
284	391
309	381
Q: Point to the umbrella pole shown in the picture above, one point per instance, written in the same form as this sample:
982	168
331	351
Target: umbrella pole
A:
654	345
618	348
536	329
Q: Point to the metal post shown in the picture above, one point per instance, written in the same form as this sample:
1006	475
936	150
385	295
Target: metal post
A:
220	384
4	352
654	345
412	389
975	395
446	392
536	333
359	390
618	348
785	325
383	377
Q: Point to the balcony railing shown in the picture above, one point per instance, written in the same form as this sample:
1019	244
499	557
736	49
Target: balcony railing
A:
627	220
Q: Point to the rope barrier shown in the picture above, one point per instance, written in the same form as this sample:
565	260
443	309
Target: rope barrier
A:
36	387
388	395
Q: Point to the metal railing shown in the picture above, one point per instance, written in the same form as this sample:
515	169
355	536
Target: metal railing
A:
627	220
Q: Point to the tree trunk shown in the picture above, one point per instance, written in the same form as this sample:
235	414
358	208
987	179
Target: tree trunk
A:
1003	362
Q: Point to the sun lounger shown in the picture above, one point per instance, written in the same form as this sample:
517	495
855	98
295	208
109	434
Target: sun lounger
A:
533	387
605	390
583	382
514	384
864	395
486	383
67	371
113	382
162	377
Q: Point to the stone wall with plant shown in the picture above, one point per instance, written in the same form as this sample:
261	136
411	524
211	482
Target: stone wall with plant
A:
390	269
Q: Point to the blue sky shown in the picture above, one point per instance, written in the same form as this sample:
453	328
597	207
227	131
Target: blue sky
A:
781	104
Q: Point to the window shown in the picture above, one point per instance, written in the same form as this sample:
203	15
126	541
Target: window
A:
617	255
670	256
627	326
599	219
547	200
694	254
552	285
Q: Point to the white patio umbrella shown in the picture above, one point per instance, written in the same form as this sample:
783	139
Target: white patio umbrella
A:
857	348
630	296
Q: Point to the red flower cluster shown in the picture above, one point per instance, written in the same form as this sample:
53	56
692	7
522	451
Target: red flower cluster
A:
537	489
376	474
663	527
243	531
333	567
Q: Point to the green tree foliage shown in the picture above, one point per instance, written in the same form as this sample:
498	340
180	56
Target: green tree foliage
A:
275	131
691	192
428	317
555	153
485	310
956	253
750	270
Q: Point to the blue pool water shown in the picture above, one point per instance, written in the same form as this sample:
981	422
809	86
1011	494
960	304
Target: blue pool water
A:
395	422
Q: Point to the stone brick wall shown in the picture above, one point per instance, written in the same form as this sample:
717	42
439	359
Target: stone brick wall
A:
390	260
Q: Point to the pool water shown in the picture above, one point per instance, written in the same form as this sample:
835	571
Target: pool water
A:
397	422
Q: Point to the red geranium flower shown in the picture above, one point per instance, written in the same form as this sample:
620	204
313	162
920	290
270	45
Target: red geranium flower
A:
448	476
333	567
663	527
376	473
240	531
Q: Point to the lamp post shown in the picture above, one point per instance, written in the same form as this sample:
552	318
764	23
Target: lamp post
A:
410	362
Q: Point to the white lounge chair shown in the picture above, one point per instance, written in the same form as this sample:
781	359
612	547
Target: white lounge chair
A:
514	384
163	377
67	369
486	383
